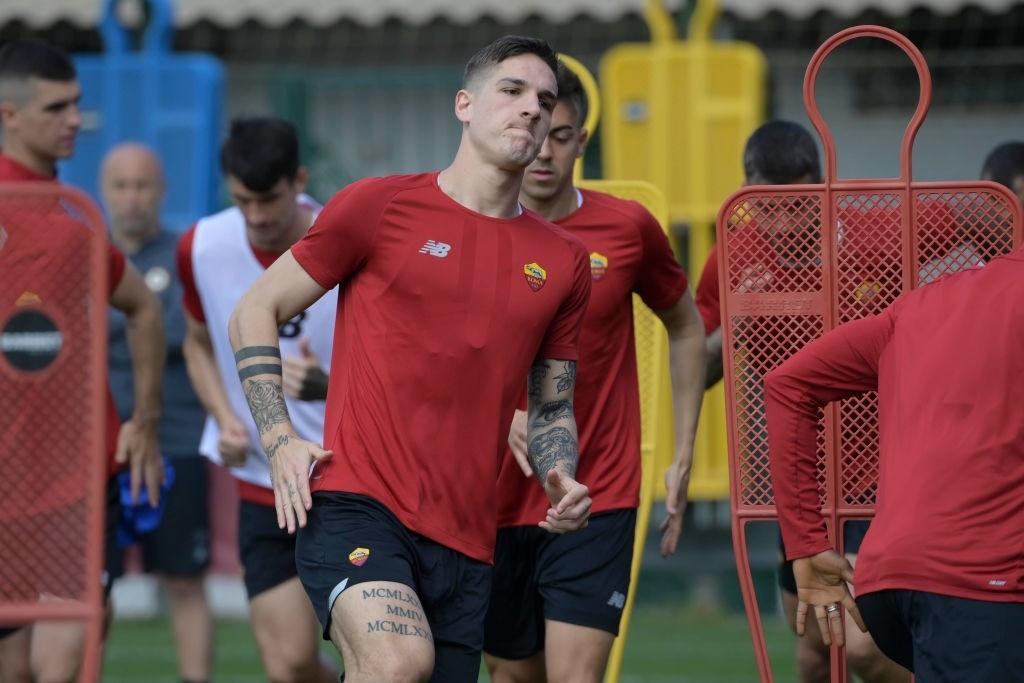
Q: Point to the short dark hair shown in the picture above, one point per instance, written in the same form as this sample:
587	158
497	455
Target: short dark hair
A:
504	48
260	151
571	90
780	153
24	59
1004	163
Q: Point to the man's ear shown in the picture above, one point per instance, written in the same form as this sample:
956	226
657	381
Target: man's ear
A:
464	105
584	138
301	179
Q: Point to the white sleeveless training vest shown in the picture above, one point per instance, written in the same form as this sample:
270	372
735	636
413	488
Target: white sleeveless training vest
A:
224	267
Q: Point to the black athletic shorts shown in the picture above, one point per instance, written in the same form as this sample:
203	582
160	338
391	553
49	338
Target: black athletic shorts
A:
113	562
350	539
580	578
943	639
266	551
854	532
180	546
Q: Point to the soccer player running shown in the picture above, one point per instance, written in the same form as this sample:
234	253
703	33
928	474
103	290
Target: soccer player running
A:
178	550
938	578
40	119
784	153
452	297
556	601
218	259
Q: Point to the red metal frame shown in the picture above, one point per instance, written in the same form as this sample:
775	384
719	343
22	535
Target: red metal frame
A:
798	260
86	601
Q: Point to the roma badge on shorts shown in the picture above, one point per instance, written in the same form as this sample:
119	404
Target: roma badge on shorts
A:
359	556
598	265
536	276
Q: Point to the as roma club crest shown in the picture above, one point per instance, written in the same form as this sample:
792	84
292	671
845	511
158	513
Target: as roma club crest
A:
359	556
598	265
535	275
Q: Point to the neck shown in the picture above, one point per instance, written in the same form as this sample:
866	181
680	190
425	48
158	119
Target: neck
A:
282	243
26	157
131	243
482	187
557	206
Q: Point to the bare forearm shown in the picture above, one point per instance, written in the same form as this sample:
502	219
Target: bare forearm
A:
551	435
205	377
146	341
687	366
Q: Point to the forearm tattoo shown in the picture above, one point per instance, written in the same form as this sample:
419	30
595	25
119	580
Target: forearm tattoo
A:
265	396
551	431
567	380
537	375
549	412
266	401
553	448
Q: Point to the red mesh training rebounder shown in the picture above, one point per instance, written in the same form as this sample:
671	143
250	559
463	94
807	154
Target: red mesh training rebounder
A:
53	333
799	260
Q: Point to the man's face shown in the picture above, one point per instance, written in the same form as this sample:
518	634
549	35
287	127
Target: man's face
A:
133	189
509	110
788	227
551	171
1017	185
47	122
268	215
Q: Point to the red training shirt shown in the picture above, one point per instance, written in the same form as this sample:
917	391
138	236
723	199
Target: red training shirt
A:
946	362
59	232
629	253
441	313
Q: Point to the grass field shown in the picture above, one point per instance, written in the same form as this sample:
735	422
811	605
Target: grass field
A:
667	643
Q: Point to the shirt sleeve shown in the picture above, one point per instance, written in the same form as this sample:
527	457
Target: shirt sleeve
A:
563	336
342	237
839	364
707	299
189	292
662	281
115	267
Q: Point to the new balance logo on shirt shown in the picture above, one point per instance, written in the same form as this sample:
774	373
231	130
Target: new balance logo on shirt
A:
618	600
438	249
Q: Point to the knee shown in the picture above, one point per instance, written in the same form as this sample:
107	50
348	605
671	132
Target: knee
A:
812	661
412	668
285	668
505	671
184	588
55	673
863	655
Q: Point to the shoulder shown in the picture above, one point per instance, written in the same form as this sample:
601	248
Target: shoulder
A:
385	187
626	211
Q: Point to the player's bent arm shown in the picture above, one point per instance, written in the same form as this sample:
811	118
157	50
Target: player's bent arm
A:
686	354
201	365
551	436
837	365
552	444
145	330
283	291
137	441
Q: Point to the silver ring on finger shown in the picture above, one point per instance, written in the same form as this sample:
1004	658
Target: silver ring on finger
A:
832	609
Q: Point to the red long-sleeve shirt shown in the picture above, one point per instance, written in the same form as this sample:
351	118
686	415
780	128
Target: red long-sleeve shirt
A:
948	366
